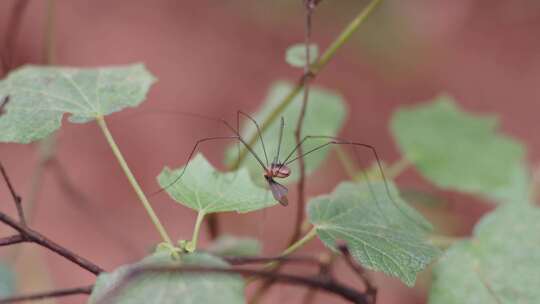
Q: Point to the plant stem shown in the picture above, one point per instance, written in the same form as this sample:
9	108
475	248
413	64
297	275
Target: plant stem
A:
274	266
344	36
293	248
146	204
195	237
316	67
301	202
49	46
398	167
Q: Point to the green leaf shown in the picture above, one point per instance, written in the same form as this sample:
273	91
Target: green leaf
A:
454	149
325	115
228	245
204	189
172	288
296	54
382	234
7	281
500	264
518	190
40	96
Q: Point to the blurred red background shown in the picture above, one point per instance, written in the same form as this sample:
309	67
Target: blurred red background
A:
215	57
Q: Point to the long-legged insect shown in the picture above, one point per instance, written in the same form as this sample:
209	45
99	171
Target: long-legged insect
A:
276	168
271	170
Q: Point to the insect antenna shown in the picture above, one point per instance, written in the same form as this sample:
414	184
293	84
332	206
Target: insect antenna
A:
282	125
238	113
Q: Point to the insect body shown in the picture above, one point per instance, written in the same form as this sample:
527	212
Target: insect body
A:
279	191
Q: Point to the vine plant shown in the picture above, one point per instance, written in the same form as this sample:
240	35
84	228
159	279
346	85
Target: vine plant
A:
363	221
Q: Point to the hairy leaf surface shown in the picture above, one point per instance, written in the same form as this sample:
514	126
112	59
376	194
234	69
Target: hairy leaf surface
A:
205	189
169	288
228	245
500	264
454	149
40	96
382	234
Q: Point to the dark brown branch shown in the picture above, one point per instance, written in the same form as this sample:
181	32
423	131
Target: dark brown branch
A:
326	284
328	261
48	294
12	240
237	261
36	237
300	206
16	198
13	29
3	105
371	289
33	236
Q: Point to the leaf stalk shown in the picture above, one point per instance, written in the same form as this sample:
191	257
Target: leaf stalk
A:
140	194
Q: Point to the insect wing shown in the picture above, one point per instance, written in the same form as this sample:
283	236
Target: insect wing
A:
279	192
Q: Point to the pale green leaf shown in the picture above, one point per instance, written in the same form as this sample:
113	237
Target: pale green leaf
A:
382	234
227	245
500	264
296	54
204	189
517	190
454	149
173	288
325	115
40	96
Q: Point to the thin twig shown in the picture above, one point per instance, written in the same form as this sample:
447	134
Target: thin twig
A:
309	7
12	240
371	289
36	237
49	45
326	284
48	294
33	236
13	29
3	105
297	230
264	260
16	198
327	260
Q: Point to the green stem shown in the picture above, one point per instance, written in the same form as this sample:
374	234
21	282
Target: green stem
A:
291	249
294	247
146	204
344	36
301	242
398	167
193	244
316	67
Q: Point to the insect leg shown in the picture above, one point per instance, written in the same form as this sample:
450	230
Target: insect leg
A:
338	141
189	157
282	125
238	113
